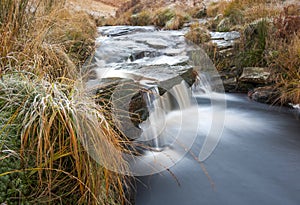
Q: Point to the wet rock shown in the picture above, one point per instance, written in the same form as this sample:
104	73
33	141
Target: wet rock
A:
131	61
173	51
134	51
230	84
123	30
255	75
223	49
267	94
118	51
156	43
142	54
227	36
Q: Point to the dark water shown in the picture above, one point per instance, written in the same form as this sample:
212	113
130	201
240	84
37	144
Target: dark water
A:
256	162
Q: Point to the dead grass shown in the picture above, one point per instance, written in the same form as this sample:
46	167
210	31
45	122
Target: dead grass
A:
198	34
284	60
52	43
46	115
165	18
283	54
97	9
55	122
240	12
288	62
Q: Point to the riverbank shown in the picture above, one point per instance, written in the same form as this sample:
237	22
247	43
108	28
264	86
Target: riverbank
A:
45	111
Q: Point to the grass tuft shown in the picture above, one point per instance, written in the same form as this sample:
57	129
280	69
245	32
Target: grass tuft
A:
198	34
52	122
45	115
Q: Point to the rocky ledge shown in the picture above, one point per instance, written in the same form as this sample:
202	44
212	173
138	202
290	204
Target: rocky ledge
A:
131	61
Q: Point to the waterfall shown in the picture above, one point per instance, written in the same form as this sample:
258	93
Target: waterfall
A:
155	123
203	84
178	98
146	73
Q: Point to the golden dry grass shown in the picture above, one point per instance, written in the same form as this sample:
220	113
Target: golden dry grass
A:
284	60
198	34
94	7
244	11
45	113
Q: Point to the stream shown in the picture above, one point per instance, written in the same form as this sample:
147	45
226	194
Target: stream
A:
206	147
256	162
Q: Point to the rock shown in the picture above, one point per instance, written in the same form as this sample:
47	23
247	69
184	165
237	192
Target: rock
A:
129	63
224	40
223	49
224	25
255	75
230	84
267	94
173	51
157	43
227	36
143	54
122	30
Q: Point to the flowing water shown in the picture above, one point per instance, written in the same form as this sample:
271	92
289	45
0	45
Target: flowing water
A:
251	151
256	162
156	61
